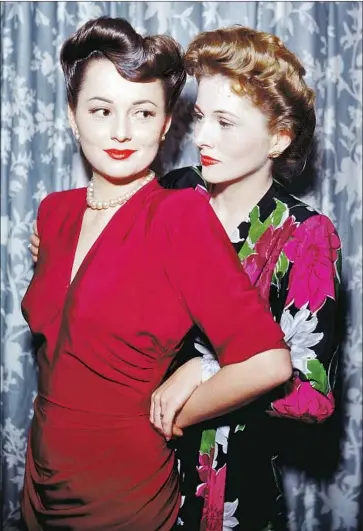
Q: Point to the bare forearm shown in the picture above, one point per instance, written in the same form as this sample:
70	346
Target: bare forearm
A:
236	385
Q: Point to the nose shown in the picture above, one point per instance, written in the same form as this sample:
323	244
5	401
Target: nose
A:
202	135
121	131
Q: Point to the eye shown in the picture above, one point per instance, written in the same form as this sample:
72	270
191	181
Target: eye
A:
144	114
197	116
101	112
224	124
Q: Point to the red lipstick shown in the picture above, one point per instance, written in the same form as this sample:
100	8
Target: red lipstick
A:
208	161
118	154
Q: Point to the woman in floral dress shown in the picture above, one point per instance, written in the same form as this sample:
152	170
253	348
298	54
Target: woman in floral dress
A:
236	481
229	468
252	93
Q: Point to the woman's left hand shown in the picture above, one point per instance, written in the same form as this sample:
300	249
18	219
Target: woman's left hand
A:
170	397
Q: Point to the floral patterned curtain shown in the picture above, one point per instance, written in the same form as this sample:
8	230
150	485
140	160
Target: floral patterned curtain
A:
39	156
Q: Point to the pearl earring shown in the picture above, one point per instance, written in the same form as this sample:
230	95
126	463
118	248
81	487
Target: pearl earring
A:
163	138
77	135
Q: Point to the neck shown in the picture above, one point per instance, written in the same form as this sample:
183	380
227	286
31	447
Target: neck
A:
106	187
233	201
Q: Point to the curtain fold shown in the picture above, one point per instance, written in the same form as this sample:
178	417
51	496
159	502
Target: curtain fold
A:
38	156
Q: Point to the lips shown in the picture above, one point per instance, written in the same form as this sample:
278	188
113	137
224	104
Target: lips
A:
118	154
208	161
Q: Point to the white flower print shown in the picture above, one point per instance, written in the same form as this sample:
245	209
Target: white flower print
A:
209	363
229	521
222	434
299	335
200	346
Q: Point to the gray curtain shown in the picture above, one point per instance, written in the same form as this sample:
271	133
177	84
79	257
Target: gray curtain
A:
38	156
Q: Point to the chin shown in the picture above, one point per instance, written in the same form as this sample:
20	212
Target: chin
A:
119	171
210	173
219	176
213	175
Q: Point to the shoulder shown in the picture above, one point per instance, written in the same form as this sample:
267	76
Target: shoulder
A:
183	211
66	198
317	232
184	222
187	177
308	227
302	212
176	202
56	204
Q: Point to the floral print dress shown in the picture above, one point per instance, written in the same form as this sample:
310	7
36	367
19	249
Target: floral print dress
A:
230	478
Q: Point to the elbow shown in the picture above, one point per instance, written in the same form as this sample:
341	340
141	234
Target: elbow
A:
282	367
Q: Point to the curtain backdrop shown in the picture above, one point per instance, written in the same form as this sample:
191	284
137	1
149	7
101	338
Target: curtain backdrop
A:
39	156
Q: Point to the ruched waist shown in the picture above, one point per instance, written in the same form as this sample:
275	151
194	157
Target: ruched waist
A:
56	413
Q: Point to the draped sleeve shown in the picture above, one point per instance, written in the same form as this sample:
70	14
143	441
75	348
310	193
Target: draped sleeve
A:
208	278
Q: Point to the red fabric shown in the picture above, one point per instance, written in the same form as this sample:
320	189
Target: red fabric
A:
94	462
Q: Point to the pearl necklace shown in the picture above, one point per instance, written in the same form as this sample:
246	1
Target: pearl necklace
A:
120	200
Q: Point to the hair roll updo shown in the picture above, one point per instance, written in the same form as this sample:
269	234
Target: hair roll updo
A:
261	67
136	58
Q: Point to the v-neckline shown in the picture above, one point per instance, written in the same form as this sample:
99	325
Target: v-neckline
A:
123	208
70	280
77	240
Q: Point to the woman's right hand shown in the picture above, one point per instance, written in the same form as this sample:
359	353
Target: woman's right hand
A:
34	243
170	397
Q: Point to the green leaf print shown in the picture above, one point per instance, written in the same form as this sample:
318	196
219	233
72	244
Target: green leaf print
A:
255	215
240	427
208	441
280	268
245	251
277	215
317	376
257	228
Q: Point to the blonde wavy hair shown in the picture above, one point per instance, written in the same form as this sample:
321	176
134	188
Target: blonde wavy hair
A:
261	67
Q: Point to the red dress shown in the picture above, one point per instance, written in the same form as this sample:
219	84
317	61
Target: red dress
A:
94	461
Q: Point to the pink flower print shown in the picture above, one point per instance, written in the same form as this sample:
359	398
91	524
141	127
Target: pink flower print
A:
212	490
303	402
205	461
254	263
260	265
313	249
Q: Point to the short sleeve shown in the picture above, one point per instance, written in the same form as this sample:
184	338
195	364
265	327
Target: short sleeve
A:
207	277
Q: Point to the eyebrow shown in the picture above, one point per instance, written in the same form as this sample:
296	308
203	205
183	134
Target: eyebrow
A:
139	102
219	111
101	99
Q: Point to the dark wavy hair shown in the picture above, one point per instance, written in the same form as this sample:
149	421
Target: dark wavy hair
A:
260	66
136	58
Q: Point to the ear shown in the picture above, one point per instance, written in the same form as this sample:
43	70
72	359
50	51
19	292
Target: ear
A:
72	119
167	124
279	142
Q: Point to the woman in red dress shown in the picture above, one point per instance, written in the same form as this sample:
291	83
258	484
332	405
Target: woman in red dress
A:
111	301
